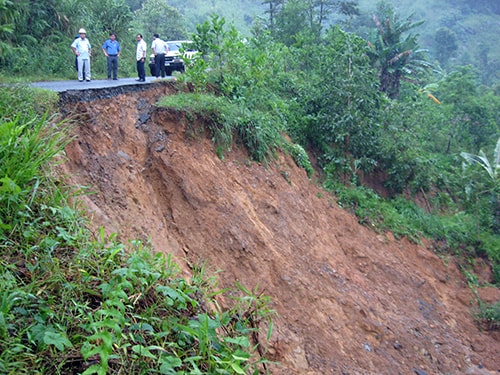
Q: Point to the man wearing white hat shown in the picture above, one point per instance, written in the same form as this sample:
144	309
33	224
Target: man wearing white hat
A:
81	48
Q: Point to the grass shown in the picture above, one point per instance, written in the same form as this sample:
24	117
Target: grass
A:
256	130
76	302
225	119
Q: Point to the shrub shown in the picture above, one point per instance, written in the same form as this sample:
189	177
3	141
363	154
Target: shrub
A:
489	315
301	158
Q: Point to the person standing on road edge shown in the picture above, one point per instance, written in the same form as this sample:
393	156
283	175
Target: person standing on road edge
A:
111	49
159	48
140	57
82	49
76	57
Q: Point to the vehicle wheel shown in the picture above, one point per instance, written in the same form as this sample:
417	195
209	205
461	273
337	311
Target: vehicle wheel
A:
168	72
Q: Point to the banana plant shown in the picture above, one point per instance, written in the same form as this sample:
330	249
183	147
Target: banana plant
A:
493	169
395	56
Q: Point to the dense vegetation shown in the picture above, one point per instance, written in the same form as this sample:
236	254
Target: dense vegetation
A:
35	36
328	94
363	97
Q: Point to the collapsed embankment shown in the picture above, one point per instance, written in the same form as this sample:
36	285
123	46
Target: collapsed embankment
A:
350	301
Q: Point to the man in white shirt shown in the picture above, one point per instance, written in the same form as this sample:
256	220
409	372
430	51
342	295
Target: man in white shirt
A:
81	48
160	49
140	57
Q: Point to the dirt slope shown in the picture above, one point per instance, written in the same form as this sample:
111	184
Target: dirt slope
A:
349	301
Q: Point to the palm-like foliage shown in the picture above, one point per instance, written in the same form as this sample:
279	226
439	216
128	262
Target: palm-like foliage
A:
28	29
7	19
493	170
394	57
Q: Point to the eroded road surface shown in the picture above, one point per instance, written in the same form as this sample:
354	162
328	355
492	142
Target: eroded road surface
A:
61	86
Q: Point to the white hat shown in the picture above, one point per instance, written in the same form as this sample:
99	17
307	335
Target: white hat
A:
82	31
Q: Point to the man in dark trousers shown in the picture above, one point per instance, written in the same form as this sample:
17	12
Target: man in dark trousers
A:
160	49
140	57
111	49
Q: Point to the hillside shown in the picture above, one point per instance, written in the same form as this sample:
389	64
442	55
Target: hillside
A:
475	25
350	301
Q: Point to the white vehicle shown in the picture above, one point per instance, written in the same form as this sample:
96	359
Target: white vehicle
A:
174	60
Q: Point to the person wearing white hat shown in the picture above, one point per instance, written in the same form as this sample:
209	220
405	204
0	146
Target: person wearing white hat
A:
82	49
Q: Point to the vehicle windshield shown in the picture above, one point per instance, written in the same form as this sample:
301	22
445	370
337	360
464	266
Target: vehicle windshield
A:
176	46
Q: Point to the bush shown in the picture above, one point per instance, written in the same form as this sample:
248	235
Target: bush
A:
301	158
490	316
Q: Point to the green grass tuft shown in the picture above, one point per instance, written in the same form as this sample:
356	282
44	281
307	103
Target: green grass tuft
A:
229	122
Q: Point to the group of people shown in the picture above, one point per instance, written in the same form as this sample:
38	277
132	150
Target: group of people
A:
160	50
111	48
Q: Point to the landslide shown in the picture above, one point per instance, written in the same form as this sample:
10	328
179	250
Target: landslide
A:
349	301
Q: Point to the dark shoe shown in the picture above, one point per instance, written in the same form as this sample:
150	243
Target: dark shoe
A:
138	80
80	80
88	80
142	80
115	79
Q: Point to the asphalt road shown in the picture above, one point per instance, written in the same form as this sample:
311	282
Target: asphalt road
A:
61	86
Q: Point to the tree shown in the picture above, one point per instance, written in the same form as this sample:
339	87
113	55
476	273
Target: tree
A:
292	20
336	90
394	56
32	19
446	44
288	19
134	4
108	15
8	16
274	9
156	16
473	115
323	8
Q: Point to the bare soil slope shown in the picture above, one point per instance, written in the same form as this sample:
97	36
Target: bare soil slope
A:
349	301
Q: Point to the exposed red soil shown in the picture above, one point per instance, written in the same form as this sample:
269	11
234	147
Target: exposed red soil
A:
349	300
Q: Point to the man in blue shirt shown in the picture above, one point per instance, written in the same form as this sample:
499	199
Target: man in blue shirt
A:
111	49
